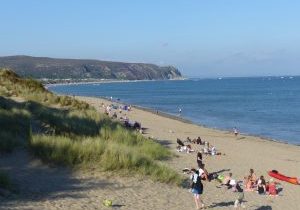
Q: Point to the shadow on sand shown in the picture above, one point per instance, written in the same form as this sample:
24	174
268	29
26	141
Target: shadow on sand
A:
35	181
264	208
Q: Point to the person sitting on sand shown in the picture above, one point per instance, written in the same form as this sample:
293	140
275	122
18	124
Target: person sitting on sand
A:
213	151
272	190
261	185
250	180
206	149
189	140
227	179
198	140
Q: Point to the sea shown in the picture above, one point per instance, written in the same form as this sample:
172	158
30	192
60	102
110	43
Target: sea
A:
268	107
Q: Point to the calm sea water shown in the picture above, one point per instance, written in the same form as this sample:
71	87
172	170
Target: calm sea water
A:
268	107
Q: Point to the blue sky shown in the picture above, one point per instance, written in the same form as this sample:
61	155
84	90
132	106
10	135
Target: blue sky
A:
202	38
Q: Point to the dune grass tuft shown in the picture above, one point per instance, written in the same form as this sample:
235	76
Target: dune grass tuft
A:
103	154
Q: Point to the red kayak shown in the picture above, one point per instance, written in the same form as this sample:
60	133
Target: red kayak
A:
277	175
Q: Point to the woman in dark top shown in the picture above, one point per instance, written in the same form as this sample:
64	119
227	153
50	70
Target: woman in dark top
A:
197	188
199	159
261	185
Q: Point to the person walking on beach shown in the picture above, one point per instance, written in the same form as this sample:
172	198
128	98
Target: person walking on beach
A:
179	111
235	131
197	188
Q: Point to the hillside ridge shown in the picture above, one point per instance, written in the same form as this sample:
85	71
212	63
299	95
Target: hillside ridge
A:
58	68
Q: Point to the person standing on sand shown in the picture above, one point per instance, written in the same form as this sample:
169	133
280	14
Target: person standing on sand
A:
197	188
235	131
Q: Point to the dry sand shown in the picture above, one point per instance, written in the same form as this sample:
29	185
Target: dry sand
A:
43	187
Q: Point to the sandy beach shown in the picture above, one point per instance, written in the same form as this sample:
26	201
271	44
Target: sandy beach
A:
45	187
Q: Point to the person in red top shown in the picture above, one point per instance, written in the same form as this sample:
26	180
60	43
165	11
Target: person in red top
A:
272	188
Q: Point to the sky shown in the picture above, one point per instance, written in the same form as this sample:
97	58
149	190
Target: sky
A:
202	38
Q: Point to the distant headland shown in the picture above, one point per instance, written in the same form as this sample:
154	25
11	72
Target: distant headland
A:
54	70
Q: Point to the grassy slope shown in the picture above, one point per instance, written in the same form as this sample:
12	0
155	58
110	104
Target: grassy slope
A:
64	131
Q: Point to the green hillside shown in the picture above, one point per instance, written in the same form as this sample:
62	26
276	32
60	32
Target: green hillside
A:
79	69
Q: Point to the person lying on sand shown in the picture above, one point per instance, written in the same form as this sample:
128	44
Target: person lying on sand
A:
179	142
186	148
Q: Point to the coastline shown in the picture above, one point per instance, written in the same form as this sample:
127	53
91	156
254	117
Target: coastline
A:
239	155
184	120
174	117
105	81
263	131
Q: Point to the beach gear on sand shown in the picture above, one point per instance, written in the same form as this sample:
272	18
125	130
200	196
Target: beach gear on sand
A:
221	177
107	202
277	175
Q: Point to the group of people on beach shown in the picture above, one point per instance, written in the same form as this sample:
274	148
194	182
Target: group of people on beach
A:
200	174
186	146
250	183
260	185
197	186
111	111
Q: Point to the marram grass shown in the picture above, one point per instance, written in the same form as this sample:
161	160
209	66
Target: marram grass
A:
103	154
